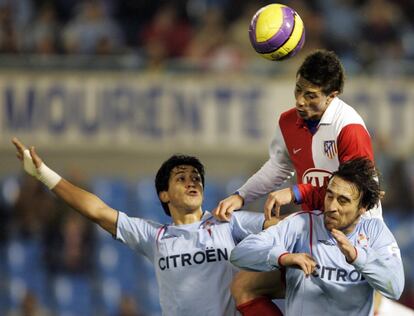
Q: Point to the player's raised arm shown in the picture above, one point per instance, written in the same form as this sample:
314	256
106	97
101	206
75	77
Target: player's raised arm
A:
82	201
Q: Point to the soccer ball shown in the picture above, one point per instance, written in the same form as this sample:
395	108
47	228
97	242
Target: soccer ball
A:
277	32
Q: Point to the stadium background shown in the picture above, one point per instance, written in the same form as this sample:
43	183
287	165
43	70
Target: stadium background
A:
108	89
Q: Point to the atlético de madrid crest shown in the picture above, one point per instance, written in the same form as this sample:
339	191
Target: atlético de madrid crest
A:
329	148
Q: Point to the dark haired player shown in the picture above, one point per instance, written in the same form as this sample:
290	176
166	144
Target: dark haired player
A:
312	139
190	255
334	259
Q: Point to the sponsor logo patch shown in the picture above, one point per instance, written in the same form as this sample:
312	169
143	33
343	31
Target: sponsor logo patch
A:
316	177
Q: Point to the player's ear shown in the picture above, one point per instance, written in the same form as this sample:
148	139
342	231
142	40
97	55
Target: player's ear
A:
333	95
362	210
164	197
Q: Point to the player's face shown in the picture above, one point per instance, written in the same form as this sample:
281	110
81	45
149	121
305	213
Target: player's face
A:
342	208
311	102
185	189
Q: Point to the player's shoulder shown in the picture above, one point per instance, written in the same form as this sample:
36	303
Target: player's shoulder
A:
369	221
372	225
246	216
208	219
314	213
240	216
288	115
304	216
346	114
288	119
125	219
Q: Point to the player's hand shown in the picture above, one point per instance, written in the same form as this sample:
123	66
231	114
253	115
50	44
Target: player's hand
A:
270	222
344	245
302	260
275	200
227	206
31	161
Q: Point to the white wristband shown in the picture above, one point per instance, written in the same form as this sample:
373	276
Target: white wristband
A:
48	176
43	173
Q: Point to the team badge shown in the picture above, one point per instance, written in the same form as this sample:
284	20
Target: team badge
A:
207	225
362	240
329	148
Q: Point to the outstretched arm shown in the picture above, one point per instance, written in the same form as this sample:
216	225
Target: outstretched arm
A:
274	248
84	202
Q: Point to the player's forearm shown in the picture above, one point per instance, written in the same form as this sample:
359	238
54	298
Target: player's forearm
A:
251	259
268	178
273	221
87	204
84	202
252	253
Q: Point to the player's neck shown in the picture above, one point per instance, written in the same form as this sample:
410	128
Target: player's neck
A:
183	218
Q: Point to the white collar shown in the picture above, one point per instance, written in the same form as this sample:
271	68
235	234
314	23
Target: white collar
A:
329	114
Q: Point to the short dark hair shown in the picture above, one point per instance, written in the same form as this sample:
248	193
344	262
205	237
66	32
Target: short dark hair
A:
163	175
324	69
362	173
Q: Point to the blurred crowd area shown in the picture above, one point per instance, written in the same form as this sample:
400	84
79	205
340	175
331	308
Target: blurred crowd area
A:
369	35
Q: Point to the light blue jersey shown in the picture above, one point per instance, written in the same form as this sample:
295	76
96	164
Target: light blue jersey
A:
336	287
191	261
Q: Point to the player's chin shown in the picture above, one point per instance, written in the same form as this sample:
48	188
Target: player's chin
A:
302	114
330	223
194	202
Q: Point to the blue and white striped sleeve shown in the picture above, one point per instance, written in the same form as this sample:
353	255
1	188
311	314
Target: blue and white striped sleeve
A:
137	233
244	223
380	262
261	252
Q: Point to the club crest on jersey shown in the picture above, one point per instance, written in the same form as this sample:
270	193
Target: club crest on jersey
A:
362	240
207	225
329	148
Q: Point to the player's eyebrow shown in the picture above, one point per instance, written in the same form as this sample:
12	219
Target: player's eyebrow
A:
178	172
307	89
339	195
182	170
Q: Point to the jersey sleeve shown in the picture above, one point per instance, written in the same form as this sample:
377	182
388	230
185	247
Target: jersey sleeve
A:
309	195
261	252
137	233
244	223
353	142
379	260
275	171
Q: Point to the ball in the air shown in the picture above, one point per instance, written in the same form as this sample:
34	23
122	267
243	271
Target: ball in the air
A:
277	32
